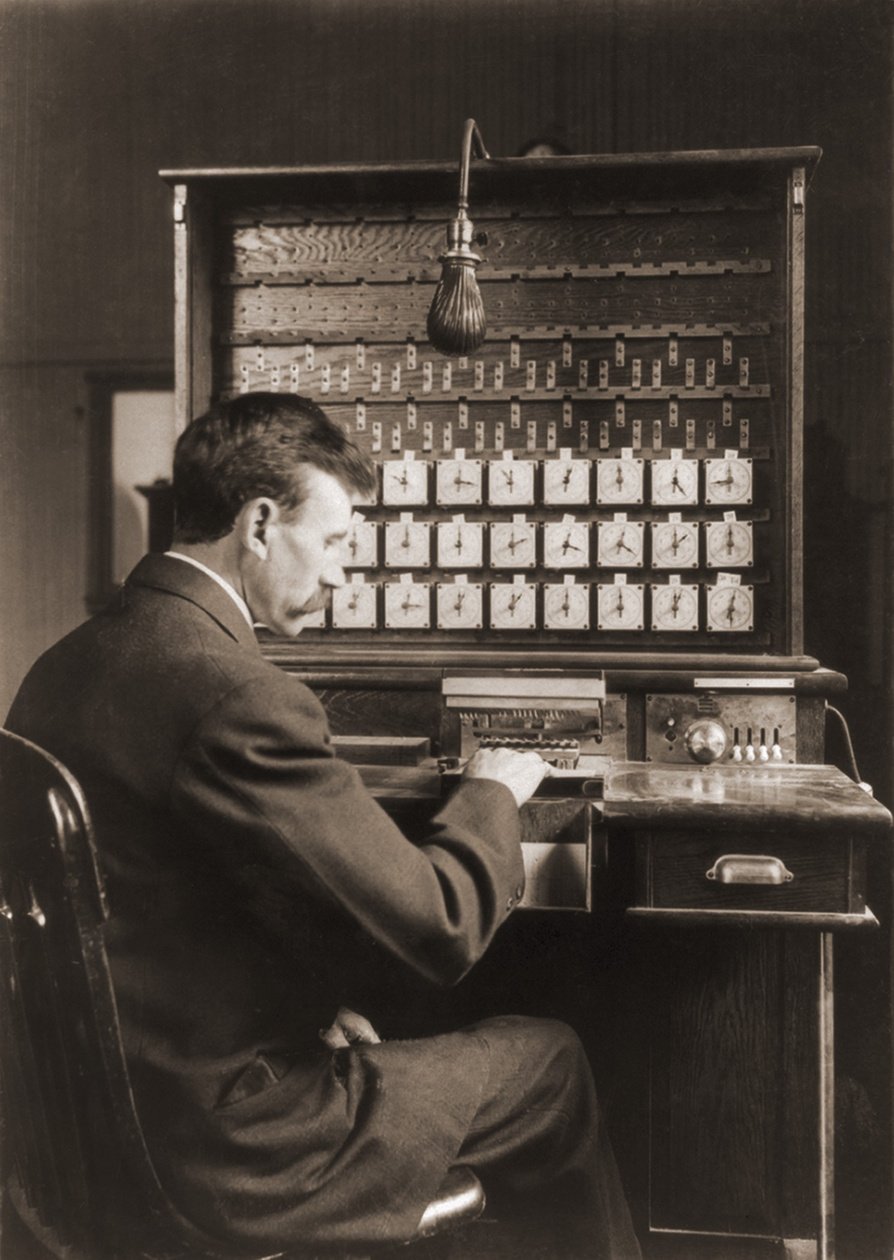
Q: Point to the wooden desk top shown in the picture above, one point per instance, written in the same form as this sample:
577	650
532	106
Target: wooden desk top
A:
821	798
815	797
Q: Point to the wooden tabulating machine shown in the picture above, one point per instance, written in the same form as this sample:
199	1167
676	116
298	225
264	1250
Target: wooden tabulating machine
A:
586	539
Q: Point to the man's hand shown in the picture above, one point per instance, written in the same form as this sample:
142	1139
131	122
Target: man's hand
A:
521	772
347	1029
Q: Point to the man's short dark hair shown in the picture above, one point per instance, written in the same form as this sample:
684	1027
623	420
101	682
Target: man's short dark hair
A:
256	446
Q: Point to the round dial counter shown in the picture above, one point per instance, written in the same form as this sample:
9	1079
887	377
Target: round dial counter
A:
512	545
407	544
620	544
729	544
511	482
619	480
460	606
566	545
458	481
566	481
566	607
407	606
513	606
620	607
728	480
675	544
730	608
675	608
404	482
354	606
674	482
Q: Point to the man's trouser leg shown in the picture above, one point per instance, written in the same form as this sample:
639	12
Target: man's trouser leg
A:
539	1144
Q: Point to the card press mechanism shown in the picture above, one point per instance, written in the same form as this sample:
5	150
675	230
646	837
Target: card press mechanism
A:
558	715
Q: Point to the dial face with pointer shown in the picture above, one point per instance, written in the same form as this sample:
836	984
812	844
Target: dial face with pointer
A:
619	481
674	607
404	482
728	480
620	607
460	606
566	607
730	608
354	606
407	606
360	546
566	545
620	544
512	606
458	481
407	544
674	482
511	482
675	545
729	544
460	544
512	544
566	481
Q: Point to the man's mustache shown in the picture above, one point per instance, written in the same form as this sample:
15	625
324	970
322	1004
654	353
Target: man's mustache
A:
316	604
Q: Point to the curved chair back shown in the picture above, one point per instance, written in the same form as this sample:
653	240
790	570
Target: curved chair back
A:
81	1175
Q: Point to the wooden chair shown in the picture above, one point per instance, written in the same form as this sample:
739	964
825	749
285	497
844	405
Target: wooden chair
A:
76	1166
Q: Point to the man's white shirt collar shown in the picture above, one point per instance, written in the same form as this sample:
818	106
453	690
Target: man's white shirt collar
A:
230	590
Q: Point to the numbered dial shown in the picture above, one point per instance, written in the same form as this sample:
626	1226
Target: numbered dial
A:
566	607
620	607
512	606
674	607
512	545
354	606
407	545
460	606
674	482
728	481
407	606
404	482
458	481
619	481
566	481
730	608
361	550
460	545
511	482
675	545
729	544
620	544
566	545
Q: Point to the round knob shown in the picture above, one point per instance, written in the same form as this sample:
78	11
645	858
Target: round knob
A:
706	741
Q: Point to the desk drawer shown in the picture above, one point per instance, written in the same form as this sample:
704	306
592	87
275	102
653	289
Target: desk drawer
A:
732	872
557	841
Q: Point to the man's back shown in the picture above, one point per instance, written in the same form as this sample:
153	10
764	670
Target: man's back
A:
249	875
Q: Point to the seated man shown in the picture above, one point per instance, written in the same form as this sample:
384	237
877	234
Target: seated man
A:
252	879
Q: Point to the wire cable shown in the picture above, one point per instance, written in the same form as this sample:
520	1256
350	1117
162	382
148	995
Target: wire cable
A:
849	747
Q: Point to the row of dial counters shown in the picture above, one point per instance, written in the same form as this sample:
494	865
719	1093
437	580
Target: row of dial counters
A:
564	544
523	606
567	480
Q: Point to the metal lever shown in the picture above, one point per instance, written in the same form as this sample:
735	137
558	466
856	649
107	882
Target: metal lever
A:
749	868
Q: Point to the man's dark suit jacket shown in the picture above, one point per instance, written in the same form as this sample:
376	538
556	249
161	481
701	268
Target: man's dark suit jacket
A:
249	873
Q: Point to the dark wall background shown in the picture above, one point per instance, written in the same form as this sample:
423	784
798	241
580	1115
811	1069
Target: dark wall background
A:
97	95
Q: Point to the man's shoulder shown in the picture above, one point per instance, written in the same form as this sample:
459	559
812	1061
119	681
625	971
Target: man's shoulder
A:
148	652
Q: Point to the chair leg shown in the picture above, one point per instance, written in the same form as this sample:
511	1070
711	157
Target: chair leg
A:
19	1242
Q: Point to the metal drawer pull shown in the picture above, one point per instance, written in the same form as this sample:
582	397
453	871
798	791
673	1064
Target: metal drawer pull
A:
749	868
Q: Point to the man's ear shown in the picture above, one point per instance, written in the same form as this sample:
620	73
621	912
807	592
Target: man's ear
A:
253	525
